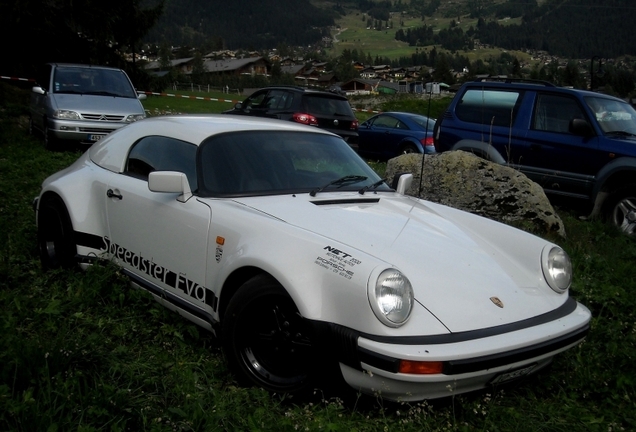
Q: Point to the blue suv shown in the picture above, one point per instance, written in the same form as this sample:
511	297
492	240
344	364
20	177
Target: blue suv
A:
574	143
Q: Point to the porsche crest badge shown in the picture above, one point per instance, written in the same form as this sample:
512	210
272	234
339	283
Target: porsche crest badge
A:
496	301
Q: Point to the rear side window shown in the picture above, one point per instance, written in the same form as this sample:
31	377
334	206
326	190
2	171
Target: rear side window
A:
488	107
279	100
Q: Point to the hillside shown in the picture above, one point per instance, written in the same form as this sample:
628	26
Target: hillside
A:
247	24
568	28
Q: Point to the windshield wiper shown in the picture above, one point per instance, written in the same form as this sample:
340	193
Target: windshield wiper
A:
340	182
102	93
621	133
373	186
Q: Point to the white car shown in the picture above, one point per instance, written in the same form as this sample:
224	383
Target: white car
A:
278	238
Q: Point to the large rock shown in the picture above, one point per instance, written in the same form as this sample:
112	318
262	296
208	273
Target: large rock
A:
462	180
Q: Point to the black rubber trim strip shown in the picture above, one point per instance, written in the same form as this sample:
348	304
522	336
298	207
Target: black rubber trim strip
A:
89	240
170	297
488	362
347	201
456	367
564	310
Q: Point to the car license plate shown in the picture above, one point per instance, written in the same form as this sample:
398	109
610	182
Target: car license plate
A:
513	374
95	137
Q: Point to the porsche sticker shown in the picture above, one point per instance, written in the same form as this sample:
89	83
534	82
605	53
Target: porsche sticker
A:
337	261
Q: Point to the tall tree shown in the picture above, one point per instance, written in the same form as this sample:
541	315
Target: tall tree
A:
65	30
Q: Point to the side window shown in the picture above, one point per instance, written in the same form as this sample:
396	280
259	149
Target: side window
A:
255	101
553	113
386	121
496	107
157	153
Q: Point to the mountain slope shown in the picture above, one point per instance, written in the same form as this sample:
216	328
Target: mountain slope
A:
249	24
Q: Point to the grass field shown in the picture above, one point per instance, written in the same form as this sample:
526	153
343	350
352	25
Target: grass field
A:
190	102
81	351
352	33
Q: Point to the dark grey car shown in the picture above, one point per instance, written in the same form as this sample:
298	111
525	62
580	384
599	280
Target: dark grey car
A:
325	110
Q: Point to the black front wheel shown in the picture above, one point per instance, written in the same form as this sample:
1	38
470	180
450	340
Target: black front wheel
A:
267	343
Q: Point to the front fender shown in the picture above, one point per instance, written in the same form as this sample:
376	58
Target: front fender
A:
327	280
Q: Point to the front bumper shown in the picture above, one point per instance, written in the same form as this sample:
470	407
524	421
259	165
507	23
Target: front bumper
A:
470	362
82	131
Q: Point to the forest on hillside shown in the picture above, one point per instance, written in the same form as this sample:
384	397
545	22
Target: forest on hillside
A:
567	28
245	24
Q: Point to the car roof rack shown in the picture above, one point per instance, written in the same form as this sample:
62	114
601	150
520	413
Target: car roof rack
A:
286	86
515	80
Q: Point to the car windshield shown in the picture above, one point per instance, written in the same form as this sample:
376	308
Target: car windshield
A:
279	162
92	81
613	116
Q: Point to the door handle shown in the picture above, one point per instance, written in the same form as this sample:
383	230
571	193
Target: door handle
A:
111	194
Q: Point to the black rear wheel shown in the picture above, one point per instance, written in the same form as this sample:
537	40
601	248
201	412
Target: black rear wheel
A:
55	234
409	148
621	209
267	342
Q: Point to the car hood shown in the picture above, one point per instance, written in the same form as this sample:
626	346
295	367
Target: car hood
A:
98	104
457	263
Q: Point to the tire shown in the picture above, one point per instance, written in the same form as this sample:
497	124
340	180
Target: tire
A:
620	210
409	148
55	234
50	141
266	341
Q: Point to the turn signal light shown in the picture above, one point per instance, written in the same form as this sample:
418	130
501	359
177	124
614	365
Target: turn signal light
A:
420	367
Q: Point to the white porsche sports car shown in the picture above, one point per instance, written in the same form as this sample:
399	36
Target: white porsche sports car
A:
282	241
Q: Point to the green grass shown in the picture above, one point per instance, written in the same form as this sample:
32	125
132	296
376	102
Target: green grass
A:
83	351
189	102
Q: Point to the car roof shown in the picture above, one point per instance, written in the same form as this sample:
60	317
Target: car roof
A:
111	151
403	114
305	91
535	86
78	65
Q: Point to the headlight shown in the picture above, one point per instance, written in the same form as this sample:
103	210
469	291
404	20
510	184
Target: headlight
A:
391	298
557	268
66	115
134	117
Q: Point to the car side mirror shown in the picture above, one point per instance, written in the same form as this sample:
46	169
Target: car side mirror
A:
238	106
170	182
581	127
141	96
39	90
402	182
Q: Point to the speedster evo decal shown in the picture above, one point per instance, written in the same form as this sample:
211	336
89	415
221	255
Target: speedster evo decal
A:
173	279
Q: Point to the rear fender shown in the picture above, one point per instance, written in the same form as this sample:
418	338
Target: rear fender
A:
481	149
